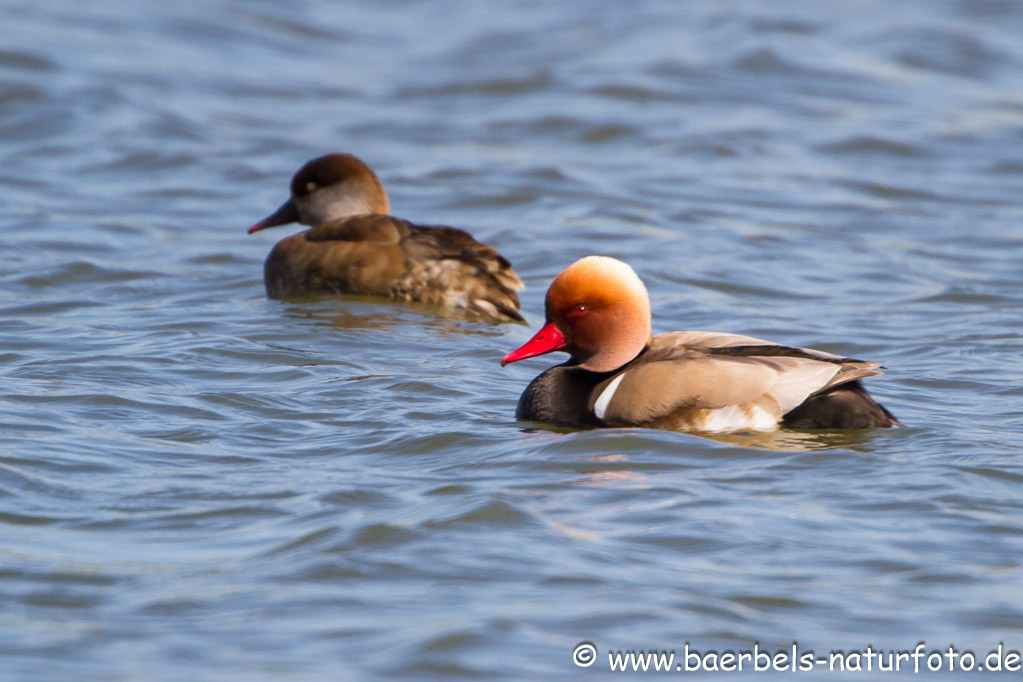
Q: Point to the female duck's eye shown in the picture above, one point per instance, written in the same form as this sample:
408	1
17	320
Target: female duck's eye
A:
580	310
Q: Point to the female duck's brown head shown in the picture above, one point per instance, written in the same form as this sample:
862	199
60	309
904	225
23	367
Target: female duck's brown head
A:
598	311
328	188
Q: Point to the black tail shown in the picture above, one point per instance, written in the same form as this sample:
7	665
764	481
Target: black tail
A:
846	406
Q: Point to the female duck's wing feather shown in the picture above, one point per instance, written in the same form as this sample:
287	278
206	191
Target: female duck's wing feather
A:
464	272
381	255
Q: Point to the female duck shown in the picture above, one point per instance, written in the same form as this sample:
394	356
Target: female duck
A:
620	375
356	247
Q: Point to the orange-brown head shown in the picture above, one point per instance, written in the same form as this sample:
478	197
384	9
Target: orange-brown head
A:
328	188
598	311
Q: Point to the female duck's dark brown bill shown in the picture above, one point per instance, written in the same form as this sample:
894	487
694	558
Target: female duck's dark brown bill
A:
284	215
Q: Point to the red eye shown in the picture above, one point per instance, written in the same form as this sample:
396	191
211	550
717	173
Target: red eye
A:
580	310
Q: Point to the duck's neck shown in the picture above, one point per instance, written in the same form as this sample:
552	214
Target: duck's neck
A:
626	334
625	350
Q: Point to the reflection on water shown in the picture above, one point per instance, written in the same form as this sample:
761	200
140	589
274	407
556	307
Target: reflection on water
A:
782	440
793	441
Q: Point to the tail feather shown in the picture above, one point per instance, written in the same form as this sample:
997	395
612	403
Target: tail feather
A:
497	308
843	406
473	275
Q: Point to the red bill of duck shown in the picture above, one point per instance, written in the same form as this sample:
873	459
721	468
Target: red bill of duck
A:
354	246
619	374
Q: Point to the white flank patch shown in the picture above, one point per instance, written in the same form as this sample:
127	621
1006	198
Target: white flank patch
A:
600	407
734	418
763	420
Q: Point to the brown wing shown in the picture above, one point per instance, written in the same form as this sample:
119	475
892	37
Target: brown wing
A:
708	371
470	274
380	255
450	242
